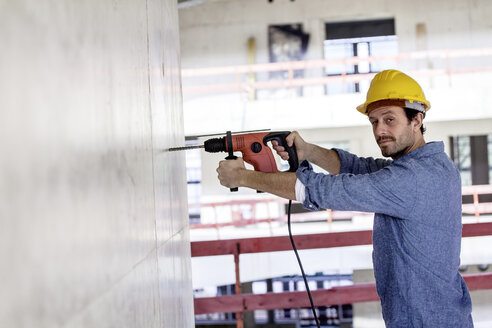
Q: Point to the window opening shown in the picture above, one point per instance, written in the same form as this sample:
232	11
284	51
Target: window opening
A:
358	39
462	158
286	43
473	158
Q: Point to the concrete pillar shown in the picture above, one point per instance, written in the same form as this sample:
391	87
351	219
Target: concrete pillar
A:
93	214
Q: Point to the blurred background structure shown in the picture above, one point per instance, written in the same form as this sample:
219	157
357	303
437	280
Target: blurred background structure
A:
93	214
305	65
100	226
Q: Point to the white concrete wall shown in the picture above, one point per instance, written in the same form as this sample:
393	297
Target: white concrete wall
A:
93	219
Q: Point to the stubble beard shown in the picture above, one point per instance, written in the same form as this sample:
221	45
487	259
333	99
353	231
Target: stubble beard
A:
397	147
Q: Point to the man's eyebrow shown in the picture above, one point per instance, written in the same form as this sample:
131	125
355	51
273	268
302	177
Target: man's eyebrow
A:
384	113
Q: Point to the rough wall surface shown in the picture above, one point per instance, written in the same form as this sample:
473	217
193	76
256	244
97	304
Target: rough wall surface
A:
93	214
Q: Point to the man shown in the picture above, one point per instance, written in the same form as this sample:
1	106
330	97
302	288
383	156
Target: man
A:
416	198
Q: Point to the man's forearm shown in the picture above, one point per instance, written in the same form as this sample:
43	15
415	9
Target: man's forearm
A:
327	159
281	184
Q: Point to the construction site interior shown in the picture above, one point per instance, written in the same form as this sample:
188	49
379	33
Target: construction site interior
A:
101	226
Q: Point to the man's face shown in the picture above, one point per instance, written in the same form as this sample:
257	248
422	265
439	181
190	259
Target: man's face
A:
394	134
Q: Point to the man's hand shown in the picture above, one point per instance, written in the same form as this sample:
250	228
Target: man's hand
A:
303	148
233	174
230	172
325	158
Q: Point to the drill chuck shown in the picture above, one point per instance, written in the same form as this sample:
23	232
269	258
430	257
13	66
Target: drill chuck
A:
215	145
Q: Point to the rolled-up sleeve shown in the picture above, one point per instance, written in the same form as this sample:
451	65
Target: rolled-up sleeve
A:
390	190
350	163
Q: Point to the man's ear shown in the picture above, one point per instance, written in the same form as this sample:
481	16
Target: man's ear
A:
418	121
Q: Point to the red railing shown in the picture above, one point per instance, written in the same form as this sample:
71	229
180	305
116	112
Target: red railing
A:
477	208
337	295
240	303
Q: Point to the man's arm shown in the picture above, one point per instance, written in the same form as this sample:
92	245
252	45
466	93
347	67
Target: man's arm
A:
232	173
327	159
391	191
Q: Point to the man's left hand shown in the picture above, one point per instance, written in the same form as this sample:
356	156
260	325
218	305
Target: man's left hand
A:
230	172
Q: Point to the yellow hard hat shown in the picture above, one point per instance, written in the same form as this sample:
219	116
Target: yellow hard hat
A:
395	85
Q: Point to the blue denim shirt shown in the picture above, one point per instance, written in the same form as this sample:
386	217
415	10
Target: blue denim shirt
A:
417	230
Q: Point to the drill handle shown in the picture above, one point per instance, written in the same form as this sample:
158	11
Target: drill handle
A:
280	138
231	152
228	158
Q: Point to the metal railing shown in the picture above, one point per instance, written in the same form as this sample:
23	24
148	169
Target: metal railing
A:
477	208
365	292
242	82
238	207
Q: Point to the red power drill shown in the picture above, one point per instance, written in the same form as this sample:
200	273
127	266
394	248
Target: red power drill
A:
254	148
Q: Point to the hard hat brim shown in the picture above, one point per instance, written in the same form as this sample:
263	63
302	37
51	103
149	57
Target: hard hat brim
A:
363	107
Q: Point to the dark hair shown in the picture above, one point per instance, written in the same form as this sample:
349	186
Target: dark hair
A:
411	113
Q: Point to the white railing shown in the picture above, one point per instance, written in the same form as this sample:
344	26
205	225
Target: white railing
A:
243	78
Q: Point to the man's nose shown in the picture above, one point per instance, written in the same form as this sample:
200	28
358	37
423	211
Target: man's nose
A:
380	130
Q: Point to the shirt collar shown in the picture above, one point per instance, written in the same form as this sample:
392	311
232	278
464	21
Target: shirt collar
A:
428	149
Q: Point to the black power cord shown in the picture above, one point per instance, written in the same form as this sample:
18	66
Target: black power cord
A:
300	265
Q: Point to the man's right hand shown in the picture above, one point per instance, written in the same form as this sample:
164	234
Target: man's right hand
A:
302	147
